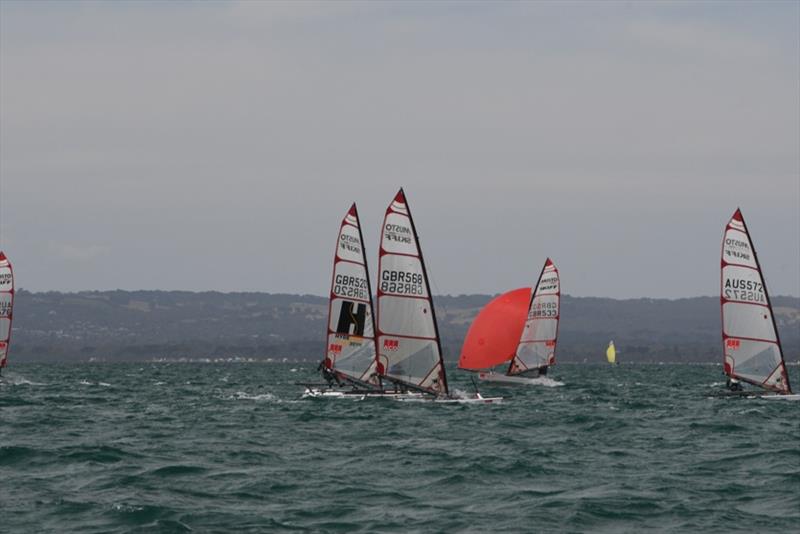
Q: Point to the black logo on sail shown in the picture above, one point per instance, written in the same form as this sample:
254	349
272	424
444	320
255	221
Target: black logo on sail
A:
352	315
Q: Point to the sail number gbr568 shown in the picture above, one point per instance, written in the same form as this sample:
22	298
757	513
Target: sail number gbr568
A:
402	283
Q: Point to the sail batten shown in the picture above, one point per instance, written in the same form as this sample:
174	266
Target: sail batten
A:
750	341
350	349
408	345
6	307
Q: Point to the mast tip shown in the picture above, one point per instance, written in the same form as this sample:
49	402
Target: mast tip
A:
400	196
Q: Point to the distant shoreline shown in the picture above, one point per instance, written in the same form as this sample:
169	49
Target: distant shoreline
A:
142	326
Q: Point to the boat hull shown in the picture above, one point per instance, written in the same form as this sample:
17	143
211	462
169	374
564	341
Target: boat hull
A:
326	393
792	397
509	380
477	399
749	394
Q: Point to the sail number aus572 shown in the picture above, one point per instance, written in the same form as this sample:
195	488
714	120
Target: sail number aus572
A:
401	283
744	290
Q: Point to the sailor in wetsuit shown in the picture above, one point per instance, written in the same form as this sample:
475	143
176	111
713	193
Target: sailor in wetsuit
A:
328	375
733	384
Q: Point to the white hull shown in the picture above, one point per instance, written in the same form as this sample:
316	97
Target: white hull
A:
477	399
757	395
506	379
318	393
792	397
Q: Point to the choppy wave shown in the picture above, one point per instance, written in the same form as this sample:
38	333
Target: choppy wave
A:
221	447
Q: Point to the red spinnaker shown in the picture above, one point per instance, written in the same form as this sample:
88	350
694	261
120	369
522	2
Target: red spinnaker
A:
493	337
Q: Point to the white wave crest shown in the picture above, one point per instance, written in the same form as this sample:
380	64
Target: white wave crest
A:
13	379
243	395
546	382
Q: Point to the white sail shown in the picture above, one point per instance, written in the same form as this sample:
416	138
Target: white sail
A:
537	345
6	306
750	340
409	351
350	352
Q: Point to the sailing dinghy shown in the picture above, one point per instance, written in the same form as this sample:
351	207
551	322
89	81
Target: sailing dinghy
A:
349	363
520	327
6	307
611	353
408	343
750	342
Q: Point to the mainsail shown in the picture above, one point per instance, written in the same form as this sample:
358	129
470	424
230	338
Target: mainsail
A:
6	306
537	345
750	339
350	353
611	352
495	333
409	351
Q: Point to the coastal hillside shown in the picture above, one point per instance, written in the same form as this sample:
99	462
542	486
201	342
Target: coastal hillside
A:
147	325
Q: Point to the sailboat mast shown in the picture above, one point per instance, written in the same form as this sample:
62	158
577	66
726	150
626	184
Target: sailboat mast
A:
430	295
366	271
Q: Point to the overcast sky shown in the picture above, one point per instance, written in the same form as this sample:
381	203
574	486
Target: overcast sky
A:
216	146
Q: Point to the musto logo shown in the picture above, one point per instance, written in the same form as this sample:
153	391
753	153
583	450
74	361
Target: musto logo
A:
5	279
350	244
736	249
391	344
402	283
733	344
397	233
548	284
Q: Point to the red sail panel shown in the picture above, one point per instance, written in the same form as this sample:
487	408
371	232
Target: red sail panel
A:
6	306
750	342
493	337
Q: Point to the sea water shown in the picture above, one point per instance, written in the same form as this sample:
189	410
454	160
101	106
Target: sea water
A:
173	447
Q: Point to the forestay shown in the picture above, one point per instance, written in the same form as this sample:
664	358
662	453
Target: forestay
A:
750	339
537	345
350	352
409	351
6	306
